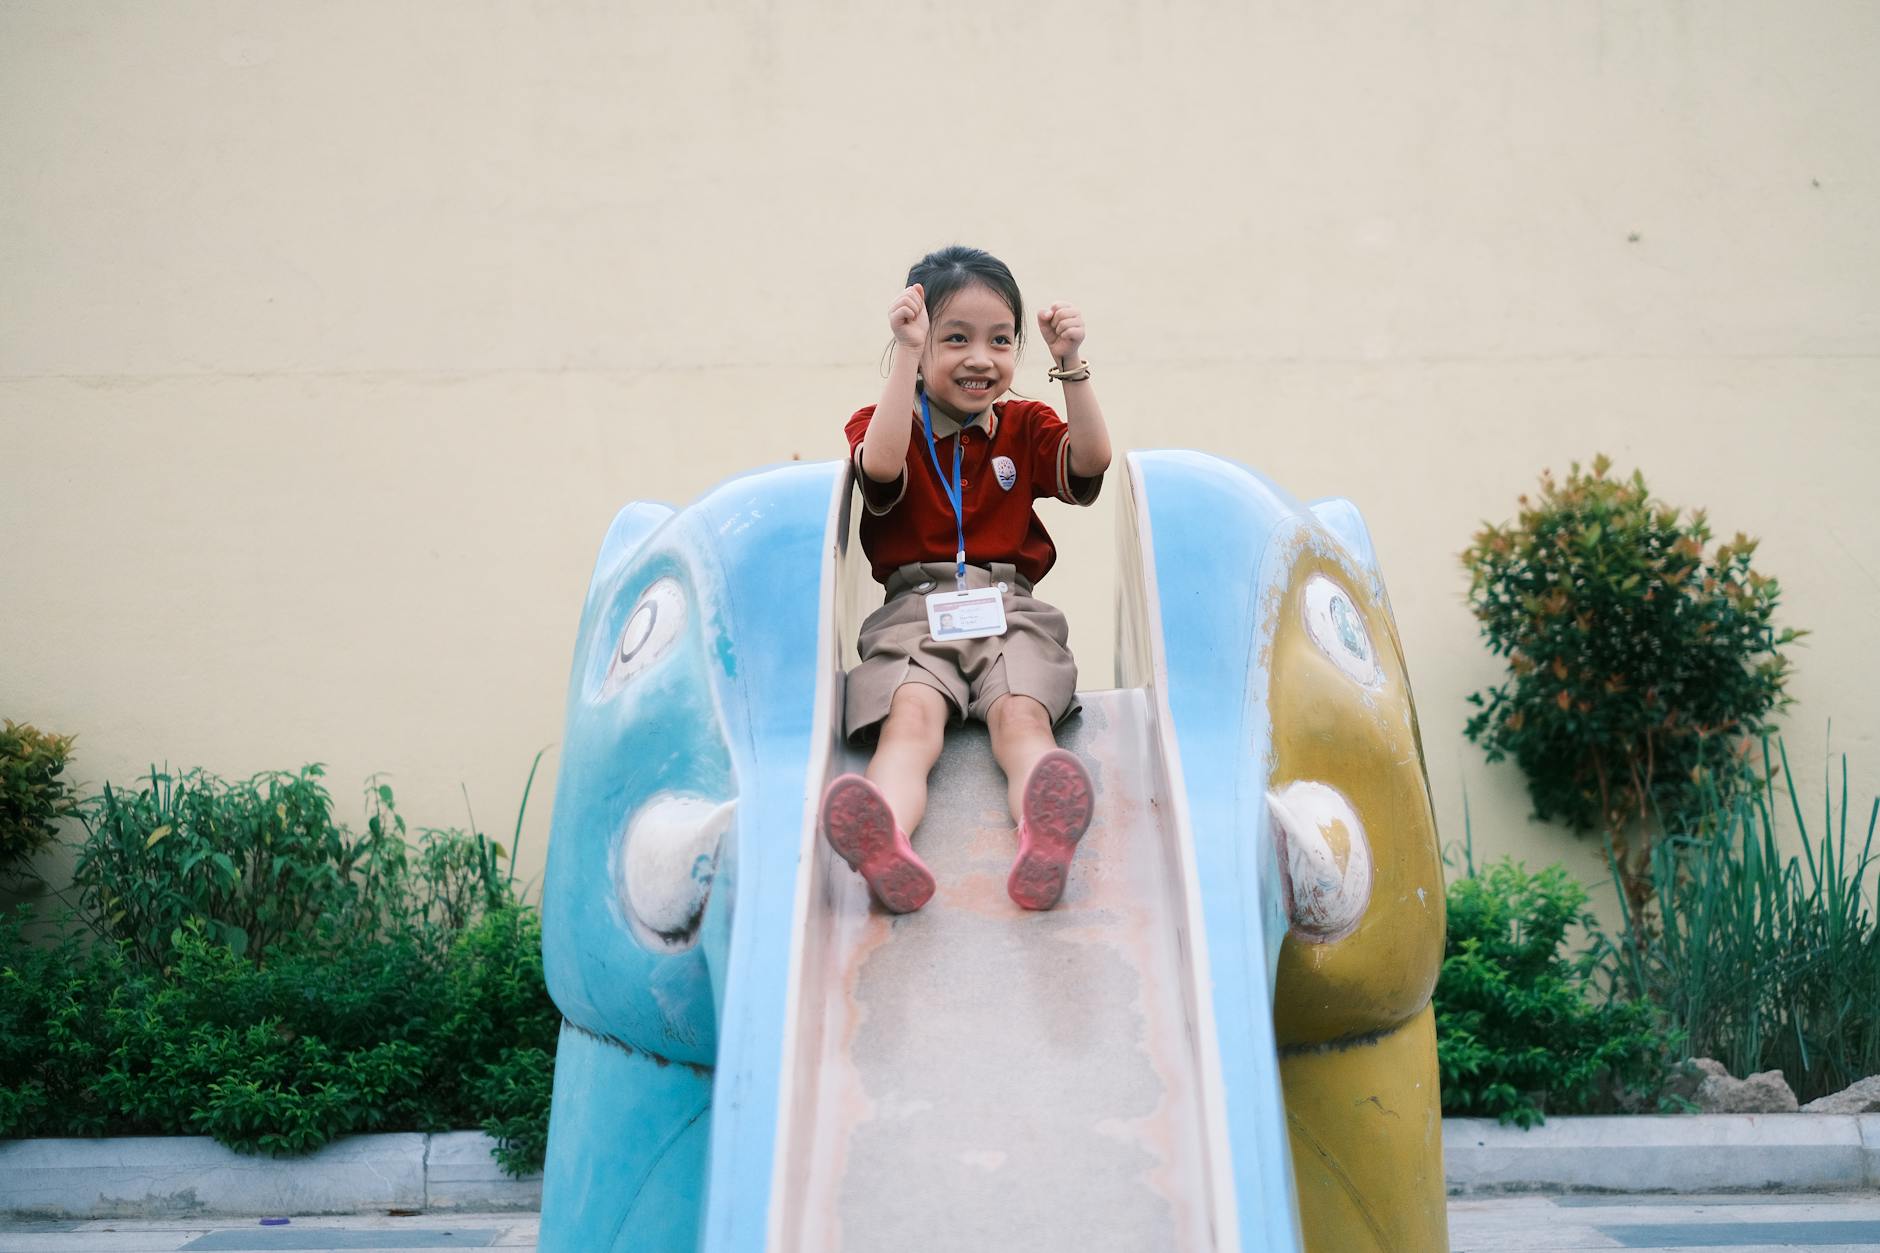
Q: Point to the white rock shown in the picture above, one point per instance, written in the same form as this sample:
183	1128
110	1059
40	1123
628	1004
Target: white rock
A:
1862	1097
1764	1093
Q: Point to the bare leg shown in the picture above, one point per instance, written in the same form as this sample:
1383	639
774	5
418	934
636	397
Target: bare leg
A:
1050	794
910	743
1021	734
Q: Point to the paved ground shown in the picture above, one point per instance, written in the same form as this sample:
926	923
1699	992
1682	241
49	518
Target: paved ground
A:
1821	1223
247	1235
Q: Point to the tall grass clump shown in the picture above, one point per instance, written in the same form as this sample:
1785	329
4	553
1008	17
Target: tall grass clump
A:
1766	960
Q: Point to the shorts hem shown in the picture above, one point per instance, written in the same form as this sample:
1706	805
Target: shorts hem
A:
868	731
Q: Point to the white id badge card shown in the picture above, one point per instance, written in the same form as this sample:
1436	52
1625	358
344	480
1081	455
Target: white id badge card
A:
968	615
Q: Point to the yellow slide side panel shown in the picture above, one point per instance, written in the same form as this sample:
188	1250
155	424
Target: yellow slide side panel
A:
1367	1143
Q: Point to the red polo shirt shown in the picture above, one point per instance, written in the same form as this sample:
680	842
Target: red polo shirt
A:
1009	456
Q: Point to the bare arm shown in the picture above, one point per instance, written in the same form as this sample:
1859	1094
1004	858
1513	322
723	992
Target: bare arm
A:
884	448
1063	330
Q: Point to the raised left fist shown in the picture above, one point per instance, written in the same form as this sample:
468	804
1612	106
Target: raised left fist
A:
1063	330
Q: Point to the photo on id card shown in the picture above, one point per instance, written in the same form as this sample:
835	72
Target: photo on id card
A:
967	615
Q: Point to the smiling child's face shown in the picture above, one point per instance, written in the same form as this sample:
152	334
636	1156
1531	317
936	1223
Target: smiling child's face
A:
971	353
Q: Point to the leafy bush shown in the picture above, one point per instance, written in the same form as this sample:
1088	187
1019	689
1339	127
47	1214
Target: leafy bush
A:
1517	1036
53	1001
32	795
1641	670
282	1058
311	983
1766	961
517	1089
456	876
262	861
252	863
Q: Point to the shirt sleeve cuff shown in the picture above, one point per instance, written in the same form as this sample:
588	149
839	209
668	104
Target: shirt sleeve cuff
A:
877	497
1074	489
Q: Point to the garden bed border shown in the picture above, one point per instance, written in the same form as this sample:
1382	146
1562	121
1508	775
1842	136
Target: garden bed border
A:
1673	1153
184	1176
187	1176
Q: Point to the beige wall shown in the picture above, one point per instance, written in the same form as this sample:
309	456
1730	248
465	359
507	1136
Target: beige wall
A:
333	334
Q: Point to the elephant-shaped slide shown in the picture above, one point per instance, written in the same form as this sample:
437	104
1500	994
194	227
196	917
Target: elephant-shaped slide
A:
1220	1040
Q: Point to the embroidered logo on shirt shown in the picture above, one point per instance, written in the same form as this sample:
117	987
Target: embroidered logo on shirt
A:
1007	472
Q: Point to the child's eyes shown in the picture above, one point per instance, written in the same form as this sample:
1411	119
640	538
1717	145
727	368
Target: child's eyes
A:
1002	340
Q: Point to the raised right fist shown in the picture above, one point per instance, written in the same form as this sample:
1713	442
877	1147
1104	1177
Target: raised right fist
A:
907	318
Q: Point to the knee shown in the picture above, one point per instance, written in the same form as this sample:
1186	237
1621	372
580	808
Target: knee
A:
917	713
1018	716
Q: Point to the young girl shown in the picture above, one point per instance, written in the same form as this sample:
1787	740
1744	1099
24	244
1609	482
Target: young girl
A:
948	474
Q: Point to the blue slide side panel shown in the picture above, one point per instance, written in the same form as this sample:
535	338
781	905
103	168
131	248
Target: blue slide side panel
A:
771	540
1214	527
694	681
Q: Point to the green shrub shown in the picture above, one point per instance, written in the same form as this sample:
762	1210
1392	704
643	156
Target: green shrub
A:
457	877
262	975
1641	670
1517	1035
1764	960
263	861
281	1058
252	863
53	1004
32	795
516	1090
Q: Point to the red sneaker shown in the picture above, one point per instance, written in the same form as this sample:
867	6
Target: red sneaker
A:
1058	802
859	825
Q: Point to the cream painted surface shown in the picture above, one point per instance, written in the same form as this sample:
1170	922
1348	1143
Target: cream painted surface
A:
333	335
1325	894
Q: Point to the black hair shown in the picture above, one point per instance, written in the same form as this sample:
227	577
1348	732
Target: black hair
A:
945	272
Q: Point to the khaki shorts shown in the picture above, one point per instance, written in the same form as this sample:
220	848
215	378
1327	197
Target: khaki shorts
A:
1032	658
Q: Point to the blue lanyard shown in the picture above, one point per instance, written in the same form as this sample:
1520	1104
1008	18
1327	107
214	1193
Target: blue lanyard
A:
955	494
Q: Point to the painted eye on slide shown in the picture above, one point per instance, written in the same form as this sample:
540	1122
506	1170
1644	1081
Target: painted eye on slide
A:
650	630
1336	626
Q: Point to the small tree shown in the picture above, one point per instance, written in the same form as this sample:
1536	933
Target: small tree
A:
1640	670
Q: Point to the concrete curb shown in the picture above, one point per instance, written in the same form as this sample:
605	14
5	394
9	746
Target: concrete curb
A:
1687	1153
180	1176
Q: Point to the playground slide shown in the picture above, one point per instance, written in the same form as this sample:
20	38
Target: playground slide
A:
981	1077
756	1059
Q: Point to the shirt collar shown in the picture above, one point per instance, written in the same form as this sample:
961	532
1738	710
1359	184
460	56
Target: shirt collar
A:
945	427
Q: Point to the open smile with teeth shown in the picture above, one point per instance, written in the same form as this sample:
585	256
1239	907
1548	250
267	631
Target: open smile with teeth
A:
975	385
